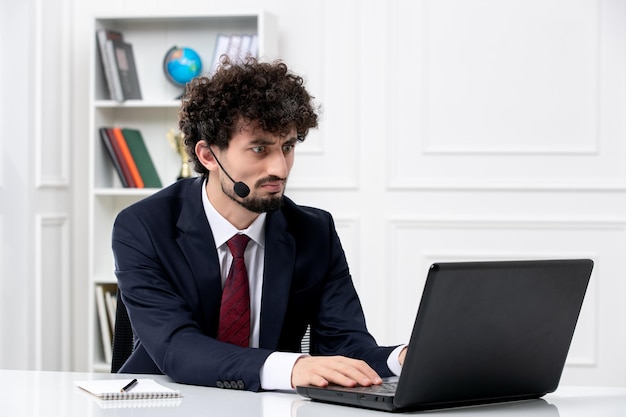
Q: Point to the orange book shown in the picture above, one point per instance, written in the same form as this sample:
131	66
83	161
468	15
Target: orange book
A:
134	171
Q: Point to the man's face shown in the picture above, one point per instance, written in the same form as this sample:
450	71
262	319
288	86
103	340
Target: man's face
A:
262	161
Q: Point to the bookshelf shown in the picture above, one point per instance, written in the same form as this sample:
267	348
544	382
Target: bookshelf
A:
154	115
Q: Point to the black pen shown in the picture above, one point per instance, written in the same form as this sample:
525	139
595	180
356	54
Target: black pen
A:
129	385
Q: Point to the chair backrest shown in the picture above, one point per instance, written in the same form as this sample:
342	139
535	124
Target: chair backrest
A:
123	337
306	345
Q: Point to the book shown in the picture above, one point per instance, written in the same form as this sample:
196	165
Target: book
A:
254	46
221	48
116	82
111	305
142	158
117	149
107	58
127	156
126	69
116	157
105	328
144	389
234	47
244	48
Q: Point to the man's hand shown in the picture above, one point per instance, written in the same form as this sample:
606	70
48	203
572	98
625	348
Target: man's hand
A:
322	370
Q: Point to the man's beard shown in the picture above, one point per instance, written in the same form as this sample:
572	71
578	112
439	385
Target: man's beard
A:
256	204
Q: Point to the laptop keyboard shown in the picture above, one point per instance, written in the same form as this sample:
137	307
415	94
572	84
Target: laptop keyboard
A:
384	388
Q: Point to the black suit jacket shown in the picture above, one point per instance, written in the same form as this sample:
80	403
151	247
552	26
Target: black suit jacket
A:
168	272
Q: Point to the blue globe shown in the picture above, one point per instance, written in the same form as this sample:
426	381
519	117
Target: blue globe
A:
181	65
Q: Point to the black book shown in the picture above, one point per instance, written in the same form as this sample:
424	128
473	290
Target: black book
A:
113	155
126	69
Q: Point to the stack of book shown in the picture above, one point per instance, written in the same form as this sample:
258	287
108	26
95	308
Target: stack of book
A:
130	157
119	66
236	46
106	303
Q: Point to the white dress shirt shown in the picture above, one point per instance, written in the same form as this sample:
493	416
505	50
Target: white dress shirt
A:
276	372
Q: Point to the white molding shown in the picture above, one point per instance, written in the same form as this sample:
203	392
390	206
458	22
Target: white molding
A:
42	135
334	147
58	222
457	178
547	151
327	184
587	328
507	185
478	222
167	16
348	228
335	181
591	147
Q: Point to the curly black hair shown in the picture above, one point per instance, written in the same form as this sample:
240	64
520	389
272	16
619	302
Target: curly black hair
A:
266	94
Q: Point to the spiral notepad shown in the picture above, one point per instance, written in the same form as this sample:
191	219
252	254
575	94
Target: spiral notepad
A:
144	389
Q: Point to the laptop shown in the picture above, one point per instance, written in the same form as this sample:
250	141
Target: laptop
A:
485	332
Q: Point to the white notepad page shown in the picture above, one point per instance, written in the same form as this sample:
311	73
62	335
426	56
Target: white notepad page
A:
145	388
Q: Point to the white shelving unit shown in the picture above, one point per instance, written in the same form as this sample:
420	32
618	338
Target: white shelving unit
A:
154	116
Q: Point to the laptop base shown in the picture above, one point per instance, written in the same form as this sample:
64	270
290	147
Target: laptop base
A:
384	402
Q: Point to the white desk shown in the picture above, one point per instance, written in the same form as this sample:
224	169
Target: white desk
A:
53	394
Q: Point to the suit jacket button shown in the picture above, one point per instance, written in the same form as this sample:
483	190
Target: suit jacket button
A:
219	384
227	384
240	384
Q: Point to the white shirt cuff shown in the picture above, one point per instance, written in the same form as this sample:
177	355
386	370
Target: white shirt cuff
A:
393	361
277	369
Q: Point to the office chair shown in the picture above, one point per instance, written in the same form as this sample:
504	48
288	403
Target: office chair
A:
124	338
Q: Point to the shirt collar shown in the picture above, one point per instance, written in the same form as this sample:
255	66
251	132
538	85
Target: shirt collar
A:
223	230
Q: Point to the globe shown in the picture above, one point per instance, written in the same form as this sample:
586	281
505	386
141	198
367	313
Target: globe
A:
181	65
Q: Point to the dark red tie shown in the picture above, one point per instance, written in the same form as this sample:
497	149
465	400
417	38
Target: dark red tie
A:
234	326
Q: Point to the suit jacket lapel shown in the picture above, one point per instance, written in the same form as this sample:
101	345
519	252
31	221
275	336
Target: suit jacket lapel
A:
198	246
279	264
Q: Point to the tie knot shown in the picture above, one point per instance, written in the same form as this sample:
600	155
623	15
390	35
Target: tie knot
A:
237	245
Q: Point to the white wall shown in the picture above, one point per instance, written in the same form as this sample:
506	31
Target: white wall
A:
35	195
14	285
459	129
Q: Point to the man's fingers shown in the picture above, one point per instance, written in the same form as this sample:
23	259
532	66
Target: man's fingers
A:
354	370
322	370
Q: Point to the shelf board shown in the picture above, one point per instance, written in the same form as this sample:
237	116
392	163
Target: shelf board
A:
135	19
110	280
137	104
125	192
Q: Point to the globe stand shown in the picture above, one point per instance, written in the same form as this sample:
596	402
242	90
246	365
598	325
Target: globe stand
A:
180	96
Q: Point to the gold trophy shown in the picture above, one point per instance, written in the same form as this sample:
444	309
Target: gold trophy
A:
176	142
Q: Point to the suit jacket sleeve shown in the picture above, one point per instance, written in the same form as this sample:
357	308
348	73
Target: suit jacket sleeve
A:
321	291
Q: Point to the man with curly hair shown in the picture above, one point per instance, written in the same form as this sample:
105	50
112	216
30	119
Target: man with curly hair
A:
172	256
